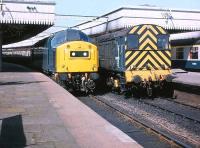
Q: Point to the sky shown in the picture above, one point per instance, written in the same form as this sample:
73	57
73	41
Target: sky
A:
100	7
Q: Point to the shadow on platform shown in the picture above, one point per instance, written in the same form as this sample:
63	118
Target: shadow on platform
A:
19	82
11	67
12	132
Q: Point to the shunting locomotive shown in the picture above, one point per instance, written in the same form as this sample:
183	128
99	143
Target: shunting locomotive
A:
72	60
136	59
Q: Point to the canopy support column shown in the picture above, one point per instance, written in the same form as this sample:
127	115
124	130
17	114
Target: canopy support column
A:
1	38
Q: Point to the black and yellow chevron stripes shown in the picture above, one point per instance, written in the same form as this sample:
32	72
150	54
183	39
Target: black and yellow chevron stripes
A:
140	59
148	52
143	28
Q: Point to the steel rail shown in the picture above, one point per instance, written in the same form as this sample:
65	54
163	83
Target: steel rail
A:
172	112
181	103
160	133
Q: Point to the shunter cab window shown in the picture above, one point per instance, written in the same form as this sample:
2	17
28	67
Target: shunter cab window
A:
163	41
132	41
194	53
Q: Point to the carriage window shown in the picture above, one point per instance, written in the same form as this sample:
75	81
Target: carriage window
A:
194	53
179	53
163	41
132	41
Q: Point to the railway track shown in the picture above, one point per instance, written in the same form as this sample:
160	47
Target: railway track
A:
181	103
162	135
183	112
176	108
167	136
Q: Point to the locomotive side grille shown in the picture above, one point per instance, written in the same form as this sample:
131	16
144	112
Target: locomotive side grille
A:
147	54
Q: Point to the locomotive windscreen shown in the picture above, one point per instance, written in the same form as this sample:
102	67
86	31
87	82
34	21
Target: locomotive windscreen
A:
67	36
75	35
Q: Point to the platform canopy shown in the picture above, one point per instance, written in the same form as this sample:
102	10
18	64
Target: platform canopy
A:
185	35
186	38
174	20
22	19
33	40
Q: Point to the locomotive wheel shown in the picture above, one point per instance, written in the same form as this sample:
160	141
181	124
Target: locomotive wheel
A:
61	83
90	87
168	89
156	90
69	86
135	90
138	91
120	91
149	91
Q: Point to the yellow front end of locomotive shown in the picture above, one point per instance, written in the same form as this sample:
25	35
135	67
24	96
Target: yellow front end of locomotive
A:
151	59
147	75
77	56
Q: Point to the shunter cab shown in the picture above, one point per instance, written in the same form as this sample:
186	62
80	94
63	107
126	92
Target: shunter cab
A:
136	57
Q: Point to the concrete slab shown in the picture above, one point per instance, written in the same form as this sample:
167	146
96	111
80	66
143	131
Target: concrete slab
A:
190	78
37	112
178	71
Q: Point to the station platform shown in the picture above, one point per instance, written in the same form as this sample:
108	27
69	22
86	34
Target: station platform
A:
35	112
187	81
190	78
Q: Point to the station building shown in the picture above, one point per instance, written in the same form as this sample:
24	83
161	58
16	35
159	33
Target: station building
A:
182	25
174	20
22	19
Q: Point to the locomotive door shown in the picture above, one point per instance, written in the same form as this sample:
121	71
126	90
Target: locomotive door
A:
51	58
46	56
121	53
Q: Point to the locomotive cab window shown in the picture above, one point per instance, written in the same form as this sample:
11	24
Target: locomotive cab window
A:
84	37
79	54
132	41
75	35
58	39
163	41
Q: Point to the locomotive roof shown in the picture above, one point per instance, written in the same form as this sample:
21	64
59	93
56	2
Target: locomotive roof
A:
67	35
110	35
117	33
